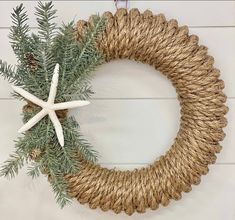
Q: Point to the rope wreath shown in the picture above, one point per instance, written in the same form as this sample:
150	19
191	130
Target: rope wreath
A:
170	49
52	75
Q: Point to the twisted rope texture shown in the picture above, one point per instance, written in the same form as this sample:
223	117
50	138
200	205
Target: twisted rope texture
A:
170	49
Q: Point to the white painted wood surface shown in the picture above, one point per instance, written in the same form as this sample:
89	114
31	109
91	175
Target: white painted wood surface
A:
133	117
194	13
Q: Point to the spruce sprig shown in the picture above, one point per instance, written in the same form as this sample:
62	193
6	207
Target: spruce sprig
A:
45	15
81	66
34	170
8	72
12	166
37	55
19	32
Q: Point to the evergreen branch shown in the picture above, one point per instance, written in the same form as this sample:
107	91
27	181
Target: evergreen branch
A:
46	63
64	42
87	151
69	162
83	79
34	170
8	72
56	171
91	35
19	32
46	31
59	187
83	92
56	177
19	19
65	47
88	49
81	146
12	166
45	14
30	82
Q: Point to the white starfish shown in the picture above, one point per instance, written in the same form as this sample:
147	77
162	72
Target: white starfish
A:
49	107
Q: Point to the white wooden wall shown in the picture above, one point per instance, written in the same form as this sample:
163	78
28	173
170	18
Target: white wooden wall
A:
133	118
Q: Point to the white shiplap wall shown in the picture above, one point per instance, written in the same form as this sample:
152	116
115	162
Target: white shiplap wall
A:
133	118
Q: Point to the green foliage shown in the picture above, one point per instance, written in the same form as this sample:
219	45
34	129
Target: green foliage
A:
12	166
45	15
8	72
37	56
83	62
19	32
34	170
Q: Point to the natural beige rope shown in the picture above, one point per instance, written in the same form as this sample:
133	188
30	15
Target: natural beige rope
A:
169	48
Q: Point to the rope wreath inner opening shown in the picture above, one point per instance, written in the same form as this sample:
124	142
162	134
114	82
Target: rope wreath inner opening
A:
153	40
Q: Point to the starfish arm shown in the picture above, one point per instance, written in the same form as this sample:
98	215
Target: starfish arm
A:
28	96
33	121
58	127
54	84
69	105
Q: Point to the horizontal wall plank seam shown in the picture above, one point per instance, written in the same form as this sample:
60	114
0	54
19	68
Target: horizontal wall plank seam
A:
113	99
192	27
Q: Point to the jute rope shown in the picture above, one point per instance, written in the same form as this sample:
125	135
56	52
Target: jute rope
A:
170	49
